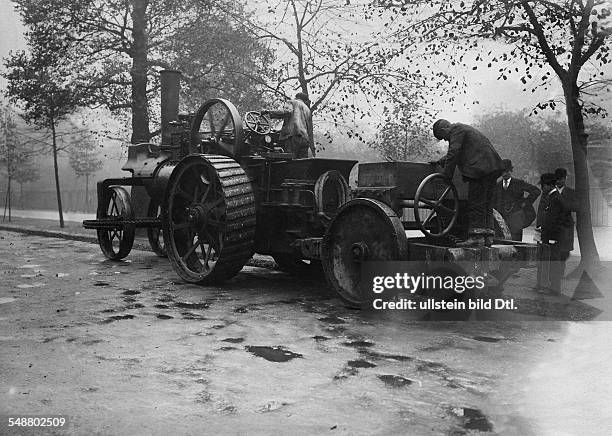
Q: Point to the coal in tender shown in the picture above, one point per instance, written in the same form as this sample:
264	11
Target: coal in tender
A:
273	354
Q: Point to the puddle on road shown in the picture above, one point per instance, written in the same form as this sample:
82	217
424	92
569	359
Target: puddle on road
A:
320	338
358	344
161	306
162	316
383	356
116	318
192	316
233	340
473	419
332	320
130	292
395	381
360	363
188	305
273	354
486	339
101	284
134	306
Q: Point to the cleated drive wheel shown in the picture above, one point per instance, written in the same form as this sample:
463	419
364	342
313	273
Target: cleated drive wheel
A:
155	234
116	243
208	219
363	230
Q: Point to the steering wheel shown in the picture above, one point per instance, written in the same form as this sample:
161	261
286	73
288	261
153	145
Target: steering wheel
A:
444	216
258	122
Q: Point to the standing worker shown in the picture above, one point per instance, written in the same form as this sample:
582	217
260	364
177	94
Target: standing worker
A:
480	166
296	133
511	203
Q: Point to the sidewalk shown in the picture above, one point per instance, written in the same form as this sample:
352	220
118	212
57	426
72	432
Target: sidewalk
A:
74	230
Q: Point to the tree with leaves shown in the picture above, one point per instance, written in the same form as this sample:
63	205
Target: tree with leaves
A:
118	48
565	39
85	162
329	51
16	157
47	92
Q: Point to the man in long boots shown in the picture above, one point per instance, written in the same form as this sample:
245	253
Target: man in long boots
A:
480	166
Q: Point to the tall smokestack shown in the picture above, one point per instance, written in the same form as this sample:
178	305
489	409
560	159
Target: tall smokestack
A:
170	87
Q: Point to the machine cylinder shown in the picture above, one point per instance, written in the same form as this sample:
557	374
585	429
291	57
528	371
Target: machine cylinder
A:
170	86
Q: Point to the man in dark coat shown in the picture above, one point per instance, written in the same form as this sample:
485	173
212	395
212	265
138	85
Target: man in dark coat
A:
480	166
547	182
510	200
296	133
558	226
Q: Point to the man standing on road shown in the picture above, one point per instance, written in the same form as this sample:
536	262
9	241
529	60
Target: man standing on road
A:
296	133
558	227
511	203
480	166
547	182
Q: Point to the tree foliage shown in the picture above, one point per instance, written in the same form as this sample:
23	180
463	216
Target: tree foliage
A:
117	47
544	40
330	51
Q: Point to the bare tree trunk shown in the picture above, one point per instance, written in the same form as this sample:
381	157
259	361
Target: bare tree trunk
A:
56	172
140	110
86	193
589	257
9	194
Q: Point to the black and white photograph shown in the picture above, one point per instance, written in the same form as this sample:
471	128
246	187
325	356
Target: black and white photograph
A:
306	217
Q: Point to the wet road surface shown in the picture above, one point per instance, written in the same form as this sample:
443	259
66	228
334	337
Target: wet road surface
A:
127	348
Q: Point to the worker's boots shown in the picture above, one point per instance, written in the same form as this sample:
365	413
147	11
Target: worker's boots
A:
477	238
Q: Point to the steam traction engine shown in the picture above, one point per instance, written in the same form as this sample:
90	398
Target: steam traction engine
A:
222	188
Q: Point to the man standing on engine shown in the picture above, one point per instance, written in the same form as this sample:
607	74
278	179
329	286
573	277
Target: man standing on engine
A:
296	133
480	166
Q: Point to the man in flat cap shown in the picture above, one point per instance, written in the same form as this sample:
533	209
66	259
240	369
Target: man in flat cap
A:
558	227
296	133
480	166
514	201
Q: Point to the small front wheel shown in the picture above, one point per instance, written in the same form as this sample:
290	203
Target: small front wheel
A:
116	241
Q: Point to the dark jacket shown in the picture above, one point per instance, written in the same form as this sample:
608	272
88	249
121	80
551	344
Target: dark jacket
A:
558	221
513	197
297	121
472	152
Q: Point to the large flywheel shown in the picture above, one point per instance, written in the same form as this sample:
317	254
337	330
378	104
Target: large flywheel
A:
208	219
217	128
363	230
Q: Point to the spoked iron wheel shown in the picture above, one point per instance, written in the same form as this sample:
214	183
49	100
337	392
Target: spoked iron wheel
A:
116	242
217	128
440	199
363	230
209	219
155	234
